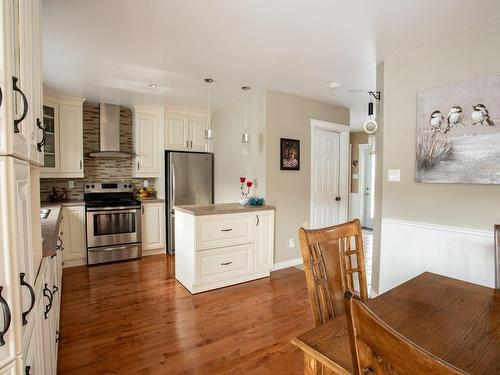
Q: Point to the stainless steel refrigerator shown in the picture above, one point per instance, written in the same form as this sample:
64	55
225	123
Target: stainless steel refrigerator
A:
189	180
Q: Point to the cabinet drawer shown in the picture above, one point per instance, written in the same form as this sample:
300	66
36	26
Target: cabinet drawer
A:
224	230
225	263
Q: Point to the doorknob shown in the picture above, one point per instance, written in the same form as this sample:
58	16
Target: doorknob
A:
337	199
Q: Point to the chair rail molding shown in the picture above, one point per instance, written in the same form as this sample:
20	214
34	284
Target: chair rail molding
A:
409	248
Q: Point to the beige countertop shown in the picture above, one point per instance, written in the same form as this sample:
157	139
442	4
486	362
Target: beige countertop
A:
221	208
50	225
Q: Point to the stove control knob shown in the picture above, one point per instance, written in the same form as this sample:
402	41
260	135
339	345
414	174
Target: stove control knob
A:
130	186
87	186
125	185
92	186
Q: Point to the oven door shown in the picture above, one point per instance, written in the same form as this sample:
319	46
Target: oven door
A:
113	226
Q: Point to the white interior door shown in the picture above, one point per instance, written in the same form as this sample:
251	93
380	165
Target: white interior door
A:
326	178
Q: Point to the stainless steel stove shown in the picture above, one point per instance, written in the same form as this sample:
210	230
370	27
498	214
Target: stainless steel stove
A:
113	222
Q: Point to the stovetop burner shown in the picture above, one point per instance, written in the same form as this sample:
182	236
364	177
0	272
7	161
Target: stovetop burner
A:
109	194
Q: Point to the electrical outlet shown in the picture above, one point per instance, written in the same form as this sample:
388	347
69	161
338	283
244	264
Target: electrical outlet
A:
145	183
71	184
291	243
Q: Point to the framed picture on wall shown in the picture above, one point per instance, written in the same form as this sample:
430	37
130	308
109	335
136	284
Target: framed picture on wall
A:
289	154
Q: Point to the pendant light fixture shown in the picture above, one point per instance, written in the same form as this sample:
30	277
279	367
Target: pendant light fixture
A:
208	130
245	136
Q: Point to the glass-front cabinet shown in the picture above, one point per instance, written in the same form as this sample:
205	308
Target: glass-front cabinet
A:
51	147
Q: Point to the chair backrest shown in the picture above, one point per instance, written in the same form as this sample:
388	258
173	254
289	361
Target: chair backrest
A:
378	349
332	257
497	256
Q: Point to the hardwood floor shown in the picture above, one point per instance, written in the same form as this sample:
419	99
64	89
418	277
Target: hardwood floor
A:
135	318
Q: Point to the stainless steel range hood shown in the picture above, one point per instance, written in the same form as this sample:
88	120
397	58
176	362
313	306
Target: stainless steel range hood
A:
109	130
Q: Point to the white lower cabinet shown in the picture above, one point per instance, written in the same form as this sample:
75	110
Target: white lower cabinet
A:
214	251
73	235
153	225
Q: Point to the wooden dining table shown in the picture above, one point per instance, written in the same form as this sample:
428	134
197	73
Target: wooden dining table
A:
457	321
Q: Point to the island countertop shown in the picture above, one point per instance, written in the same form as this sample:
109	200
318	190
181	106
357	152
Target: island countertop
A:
220	209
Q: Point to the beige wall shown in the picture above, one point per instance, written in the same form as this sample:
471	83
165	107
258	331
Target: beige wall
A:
465	55
355	139
288	116
229	162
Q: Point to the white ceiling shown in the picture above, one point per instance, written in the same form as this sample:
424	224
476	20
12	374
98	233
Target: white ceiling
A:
110	50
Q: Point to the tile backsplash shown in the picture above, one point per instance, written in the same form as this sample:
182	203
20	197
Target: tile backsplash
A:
97	169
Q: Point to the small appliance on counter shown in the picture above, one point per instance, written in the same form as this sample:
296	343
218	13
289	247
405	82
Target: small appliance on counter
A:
113	222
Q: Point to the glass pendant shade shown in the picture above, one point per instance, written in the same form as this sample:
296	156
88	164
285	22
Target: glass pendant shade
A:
245	136
208	130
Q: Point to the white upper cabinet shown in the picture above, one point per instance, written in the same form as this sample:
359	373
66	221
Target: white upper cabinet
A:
185	132
177	132
20	79
148	135
63	149
197	126
71	139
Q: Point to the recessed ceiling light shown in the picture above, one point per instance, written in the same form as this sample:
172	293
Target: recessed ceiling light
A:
153	85
334	85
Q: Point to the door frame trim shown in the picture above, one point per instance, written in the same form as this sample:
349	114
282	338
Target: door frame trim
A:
361	181
343	131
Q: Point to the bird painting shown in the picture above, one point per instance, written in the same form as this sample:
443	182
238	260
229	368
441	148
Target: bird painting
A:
455	117
436	120
480	115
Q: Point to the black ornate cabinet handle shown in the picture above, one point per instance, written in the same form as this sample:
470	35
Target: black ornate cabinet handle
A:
40	144
47	293
15	87
32	293
6	317
55	289
27	370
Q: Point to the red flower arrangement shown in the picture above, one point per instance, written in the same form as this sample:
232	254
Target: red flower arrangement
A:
244	194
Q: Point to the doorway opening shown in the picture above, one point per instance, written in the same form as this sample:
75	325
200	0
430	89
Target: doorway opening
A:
366	185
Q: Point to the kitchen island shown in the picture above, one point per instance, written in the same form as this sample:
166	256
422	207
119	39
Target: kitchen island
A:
222	244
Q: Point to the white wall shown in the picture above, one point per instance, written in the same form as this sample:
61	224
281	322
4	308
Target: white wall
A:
438	206
229	162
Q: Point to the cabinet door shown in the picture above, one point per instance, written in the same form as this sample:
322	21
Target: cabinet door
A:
153	225
73	229
10	369
177	132
15	250
50	121
197	126
147	145
48	326
264	240
15	60
71	140
36	151
24	254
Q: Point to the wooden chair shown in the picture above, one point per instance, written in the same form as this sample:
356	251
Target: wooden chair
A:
330	264
378	349
497	256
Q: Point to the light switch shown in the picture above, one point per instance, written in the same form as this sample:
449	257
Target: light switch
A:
394	175
145	183
355	176
71	184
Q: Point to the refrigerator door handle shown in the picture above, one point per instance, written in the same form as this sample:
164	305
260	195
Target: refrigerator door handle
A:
172	187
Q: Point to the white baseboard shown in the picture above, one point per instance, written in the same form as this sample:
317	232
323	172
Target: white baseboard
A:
74	262
149	252
410	248
287	264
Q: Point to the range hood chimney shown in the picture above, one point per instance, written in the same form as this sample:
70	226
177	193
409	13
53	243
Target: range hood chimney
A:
109	130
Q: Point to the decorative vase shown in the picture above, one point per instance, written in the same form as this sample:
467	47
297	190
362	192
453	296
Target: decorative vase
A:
244	201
